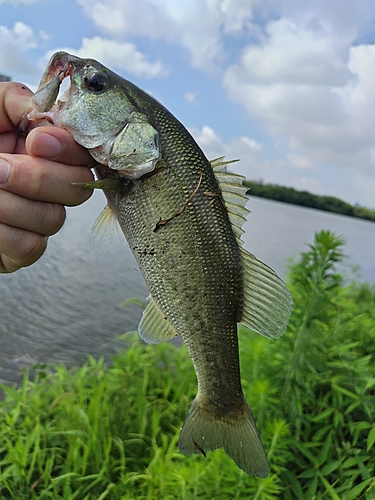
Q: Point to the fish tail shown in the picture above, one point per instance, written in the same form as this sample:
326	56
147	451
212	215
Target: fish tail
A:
204	431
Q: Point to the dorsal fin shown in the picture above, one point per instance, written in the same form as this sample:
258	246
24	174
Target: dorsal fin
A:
267	301
233	193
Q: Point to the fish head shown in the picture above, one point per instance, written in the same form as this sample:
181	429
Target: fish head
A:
98	111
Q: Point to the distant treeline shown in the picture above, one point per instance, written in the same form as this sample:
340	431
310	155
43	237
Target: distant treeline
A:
306	199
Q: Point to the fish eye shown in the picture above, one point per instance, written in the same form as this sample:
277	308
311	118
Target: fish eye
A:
95	82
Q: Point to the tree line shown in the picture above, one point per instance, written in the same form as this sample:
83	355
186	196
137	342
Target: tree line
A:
306	199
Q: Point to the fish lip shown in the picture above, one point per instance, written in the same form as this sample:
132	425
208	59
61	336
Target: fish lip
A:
58	65
41	111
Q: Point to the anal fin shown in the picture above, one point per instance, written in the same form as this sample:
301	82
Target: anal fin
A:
154	326
267	301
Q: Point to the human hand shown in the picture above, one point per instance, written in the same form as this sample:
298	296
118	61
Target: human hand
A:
36	173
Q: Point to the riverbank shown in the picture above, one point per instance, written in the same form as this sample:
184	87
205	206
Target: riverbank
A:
306	199
110	432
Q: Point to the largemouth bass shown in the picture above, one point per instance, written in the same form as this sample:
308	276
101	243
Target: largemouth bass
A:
182	217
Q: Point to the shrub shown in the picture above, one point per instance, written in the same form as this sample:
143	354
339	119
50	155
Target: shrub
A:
111	431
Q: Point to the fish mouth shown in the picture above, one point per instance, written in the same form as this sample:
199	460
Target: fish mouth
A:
61	65
44	107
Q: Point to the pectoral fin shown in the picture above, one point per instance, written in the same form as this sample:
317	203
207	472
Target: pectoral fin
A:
106	233
115	185
155	326
267	301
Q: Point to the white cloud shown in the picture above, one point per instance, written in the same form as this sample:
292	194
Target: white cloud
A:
314	92
117	55
253	161
253	145
190	96
289	169
292	53
15	42
209	141
21	35
122	55
297	68
300	162
244	148
196	25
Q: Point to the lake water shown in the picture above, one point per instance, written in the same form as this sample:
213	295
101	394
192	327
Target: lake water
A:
66	306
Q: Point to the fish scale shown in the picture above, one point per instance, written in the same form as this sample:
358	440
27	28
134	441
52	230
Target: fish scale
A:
194	273
182	217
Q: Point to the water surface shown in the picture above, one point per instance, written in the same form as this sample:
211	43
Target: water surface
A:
66	306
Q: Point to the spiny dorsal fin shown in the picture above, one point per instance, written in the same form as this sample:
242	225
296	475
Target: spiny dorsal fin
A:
154	326
219	164
233	193
267	301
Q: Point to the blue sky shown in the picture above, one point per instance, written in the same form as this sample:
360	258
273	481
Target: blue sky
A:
287	86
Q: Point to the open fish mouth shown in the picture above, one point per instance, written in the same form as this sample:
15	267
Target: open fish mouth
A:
44	105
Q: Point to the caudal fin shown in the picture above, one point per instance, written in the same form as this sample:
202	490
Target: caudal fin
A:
203	431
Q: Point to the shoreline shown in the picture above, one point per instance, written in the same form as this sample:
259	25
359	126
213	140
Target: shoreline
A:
307	199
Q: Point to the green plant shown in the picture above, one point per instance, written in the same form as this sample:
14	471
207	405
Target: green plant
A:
111	432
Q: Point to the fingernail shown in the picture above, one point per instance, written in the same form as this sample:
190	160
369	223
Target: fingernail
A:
46	146
4	171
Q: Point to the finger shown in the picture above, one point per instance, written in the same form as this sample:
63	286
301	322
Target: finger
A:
14	100
12	142
24	247
58	145
45	180
36	216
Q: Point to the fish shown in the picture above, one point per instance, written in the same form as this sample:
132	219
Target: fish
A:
182	217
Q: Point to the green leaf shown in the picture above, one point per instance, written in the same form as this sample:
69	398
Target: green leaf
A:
312	487
357	490
349	462
305	451
329	488
371	439
296	486
323	415
323	454
362	467
344	391
308	473
330	467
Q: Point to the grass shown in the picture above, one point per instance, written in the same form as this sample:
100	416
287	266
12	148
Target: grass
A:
111	432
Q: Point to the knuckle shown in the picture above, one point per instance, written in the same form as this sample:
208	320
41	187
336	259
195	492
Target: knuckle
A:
27	178
53	217
33	248
36	179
